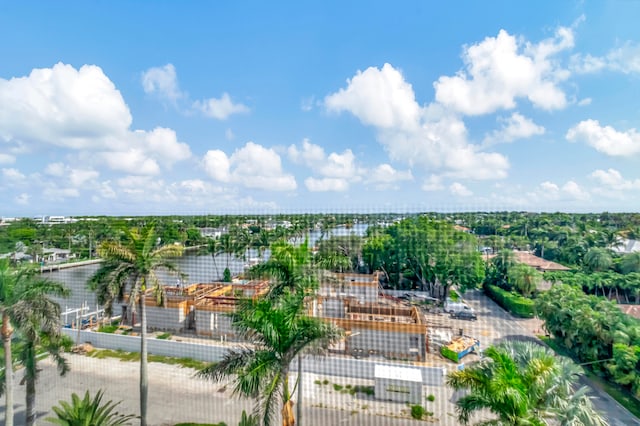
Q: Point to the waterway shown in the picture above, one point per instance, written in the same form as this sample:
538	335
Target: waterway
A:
198	268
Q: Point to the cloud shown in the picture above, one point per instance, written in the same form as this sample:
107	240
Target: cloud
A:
163	145
431	137
378	97
605	139
624	59
82	111
612	179
7	158
460	190
433	183
385	174
252	166
336	170
515	127
501	69
133	161
162	82
220	109
229	135
65	107
570	191
13	175
326	184
217	165
585	102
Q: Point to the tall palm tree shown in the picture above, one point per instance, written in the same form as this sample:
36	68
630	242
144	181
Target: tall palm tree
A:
23	293
280	331
133	263
523	384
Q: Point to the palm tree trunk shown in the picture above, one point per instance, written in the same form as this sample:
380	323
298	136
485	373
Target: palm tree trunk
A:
8	390
31	401
144	377
287	406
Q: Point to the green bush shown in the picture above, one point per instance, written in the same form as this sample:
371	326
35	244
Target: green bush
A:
325	382
337	387
163	336
417	411
431	398
518	305
107	329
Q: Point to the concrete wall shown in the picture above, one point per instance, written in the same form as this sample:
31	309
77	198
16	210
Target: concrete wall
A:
173	348
399	391
168	319
333	308
330	366
213	324
388	343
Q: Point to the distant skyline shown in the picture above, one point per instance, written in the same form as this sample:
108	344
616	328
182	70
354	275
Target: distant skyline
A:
129	108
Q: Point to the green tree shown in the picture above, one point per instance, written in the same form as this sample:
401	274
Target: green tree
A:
133	264
524	279
523	383
280	331
89	412
24	301
597	259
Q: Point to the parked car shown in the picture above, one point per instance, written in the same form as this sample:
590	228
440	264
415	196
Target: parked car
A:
465	315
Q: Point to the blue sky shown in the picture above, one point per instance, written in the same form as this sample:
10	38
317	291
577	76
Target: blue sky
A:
255	107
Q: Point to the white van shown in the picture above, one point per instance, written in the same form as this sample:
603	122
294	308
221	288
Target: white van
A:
452	307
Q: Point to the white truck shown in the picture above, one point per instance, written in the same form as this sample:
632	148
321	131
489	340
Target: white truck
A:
454	307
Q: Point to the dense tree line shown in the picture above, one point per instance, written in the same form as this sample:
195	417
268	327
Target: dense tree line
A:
595	331
427	254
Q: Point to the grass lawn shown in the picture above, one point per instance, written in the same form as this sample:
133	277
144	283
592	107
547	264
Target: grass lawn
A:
621	395
135	356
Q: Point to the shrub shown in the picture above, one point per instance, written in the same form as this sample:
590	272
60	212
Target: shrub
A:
431	398
107	328
325	382
163	336
89	411
337	387
317	382
417	411
518	305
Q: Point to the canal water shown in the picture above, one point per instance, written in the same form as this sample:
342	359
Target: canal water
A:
198	268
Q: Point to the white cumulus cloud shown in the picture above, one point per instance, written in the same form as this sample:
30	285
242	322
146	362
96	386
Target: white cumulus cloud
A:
605	139
431	137
613	179
252	166
460	190
501	69
570	191
624	59
514	127
378	97
326	184
163	82
221	108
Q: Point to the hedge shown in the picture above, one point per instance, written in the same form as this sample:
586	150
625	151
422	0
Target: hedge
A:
519	306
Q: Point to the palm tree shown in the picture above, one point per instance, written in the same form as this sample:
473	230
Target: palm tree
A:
214	247
133	263
524	279
39	328
597	259
523	383
24	303
280	331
